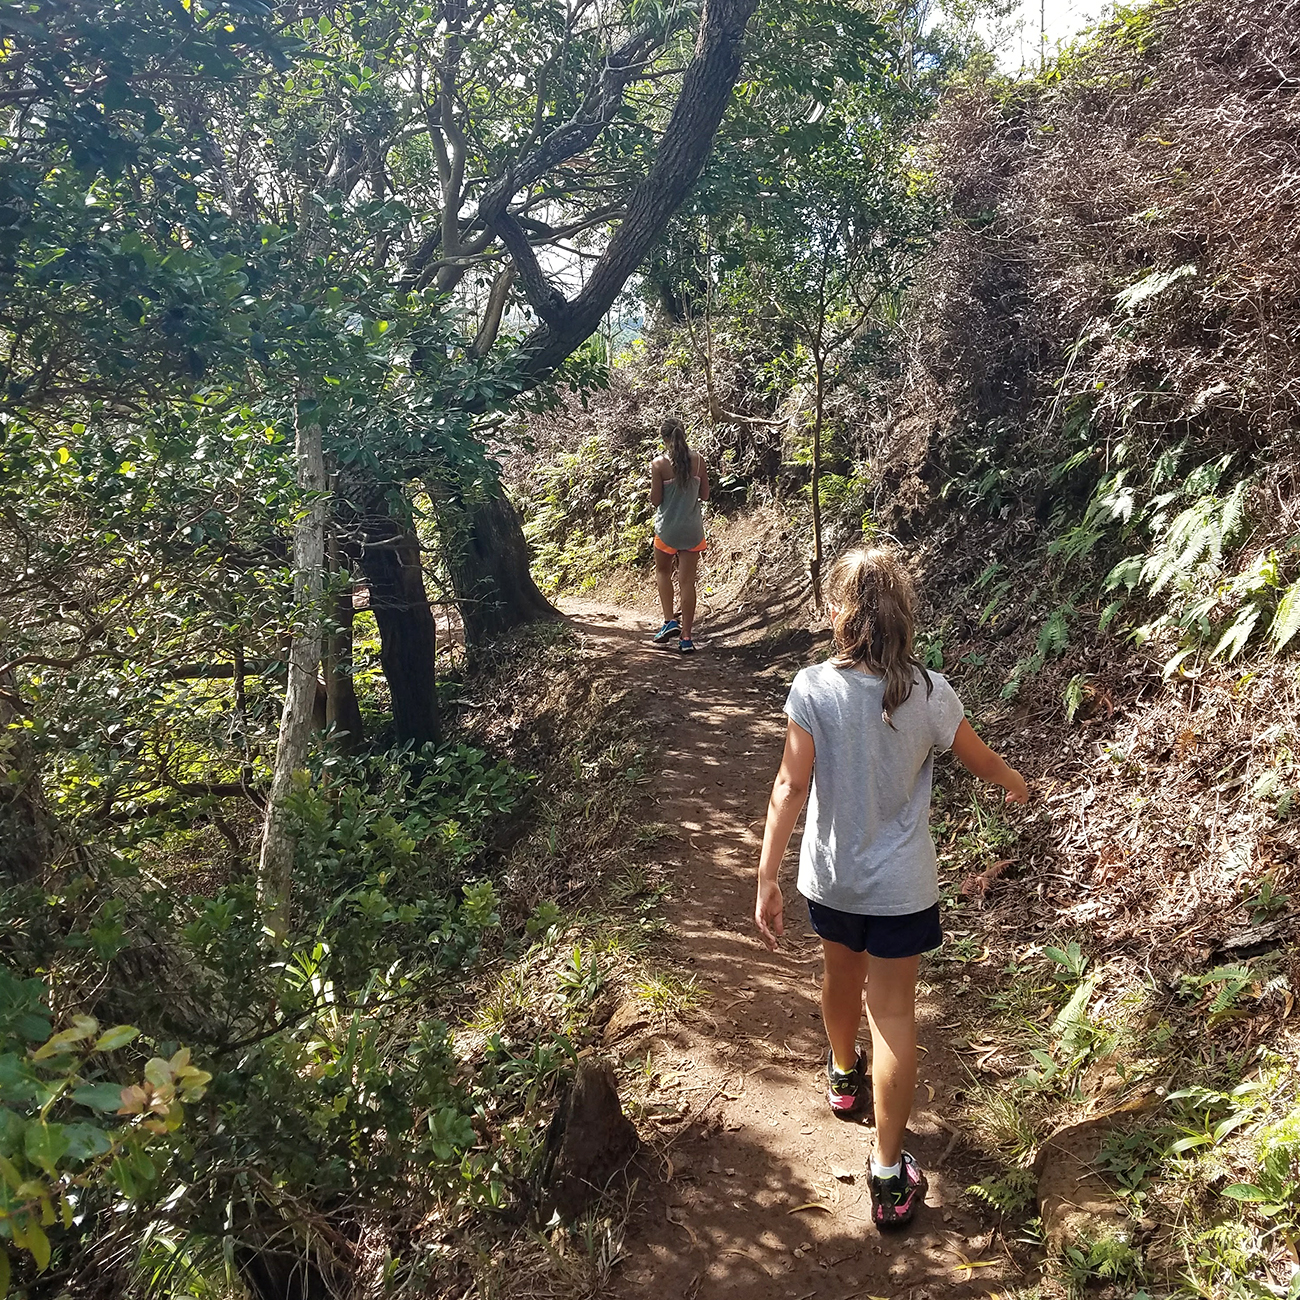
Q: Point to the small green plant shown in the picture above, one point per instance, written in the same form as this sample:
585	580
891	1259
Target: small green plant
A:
1076	692
1129	1159
987	834
1205	1116
667	994
1007	1119
1009	1193
1272	1192
963	948
1268	900
581	977
1053	637
544	921
480	905
1075	1037
1069	962
1108	1258
1228	983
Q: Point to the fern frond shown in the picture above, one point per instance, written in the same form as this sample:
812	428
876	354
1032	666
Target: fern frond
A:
1054	635
1234	514
1125	574
1234	639
1152	285
1074	696
1286	622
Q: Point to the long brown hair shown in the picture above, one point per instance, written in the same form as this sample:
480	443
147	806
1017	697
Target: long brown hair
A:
673	432
875	626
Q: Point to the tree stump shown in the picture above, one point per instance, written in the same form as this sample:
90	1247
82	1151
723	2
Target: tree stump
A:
590	1141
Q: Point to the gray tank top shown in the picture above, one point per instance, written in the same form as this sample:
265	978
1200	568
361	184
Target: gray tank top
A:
679	521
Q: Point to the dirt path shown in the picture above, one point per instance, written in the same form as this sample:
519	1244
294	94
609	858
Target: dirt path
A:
757	1142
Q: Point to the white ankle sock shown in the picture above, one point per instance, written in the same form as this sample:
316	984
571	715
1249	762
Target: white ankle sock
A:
885	1171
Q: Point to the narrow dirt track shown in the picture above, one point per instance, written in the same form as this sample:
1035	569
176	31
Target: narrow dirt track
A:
748	1191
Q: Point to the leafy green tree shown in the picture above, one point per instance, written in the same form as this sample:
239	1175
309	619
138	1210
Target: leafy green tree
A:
826	255
213	200
810	217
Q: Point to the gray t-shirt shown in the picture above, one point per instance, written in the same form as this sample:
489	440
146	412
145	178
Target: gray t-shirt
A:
866	840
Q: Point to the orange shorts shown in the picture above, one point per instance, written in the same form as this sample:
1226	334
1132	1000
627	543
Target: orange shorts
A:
673	550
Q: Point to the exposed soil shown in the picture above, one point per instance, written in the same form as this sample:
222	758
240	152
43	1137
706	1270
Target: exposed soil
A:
755	1189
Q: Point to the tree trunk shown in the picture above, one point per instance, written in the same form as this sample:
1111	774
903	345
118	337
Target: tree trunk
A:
408	643
26	839
488	559
275	868
816	566
683	150
342	712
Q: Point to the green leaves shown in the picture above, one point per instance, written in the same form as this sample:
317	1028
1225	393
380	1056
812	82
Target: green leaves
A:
103	1097
53	1132
1070	960
83	1027
1286	621
116	1037
45	1145
480	906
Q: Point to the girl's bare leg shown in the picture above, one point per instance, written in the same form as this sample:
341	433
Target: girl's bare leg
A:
891	1010
687	563
664	581
842	998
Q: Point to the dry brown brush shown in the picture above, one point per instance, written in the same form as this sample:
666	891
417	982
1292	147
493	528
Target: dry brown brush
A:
1123	259
1096	445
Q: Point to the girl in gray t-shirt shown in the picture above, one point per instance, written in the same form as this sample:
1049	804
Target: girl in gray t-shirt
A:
860	740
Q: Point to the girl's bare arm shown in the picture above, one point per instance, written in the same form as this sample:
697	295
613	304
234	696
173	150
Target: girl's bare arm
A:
978	759
789	791
656	484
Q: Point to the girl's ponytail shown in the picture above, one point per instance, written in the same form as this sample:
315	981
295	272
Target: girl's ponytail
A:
673	432
875	622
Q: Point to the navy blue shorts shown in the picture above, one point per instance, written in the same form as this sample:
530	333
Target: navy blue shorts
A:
880	936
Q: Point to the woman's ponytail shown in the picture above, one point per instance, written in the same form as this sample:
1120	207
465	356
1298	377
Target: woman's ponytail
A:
673	433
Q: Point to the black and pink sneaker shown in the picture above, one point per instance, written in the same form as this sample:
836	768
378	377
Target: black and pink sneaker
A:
846	1090
894	1200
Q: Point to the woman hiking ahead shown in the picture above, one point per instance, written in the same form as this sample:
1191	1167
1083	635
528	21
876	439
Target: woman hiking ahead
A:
678	483
860	739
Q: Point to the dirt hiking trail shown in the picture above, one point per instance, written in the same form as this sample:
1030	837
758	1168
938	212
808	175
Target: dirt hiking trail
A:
756	1190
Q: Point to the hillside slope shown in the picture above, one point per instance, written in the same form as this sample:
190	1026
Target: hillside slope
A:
1089	441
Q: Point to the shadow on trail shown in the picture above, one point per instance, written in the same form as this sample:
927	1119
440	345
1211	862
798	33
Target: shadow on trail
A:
730	1218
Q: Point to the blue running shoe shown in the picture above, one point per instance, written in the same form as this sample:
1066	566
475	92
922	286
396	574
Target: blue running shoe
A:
686	646
669	630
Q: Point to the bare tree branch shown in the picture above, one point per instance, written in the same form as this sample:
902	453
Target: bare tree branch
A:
706	90
487	333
